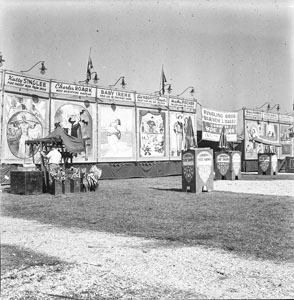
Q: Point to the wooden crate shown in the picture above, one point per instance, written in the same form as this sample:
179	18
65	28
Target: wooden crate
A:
56	187
75	185
26	182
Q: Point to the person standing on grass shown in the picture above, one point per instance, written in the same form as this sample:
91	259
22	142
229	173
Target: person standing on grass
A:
54	159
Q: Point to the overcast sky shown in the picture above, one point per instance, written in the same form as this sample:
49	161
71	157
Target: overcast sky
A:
235	53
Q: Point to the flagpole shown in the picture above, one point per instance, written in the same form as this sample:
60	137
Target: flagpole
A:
160	84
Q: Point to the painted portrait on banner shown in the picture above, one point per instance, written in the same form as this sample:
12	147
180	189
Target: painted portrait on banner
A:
178	132
76	120
26	118
116	132
152	133
271	132
285	140
253	129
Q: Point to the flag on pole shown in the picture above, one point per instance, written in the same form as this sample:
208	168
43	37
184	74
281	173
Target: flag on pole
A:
89	67
163	81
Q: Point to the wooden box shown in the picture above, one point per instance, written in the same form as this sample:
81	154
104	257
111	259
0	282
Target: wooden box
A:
75	185
267	164
56	187
26	182
197	170
227	165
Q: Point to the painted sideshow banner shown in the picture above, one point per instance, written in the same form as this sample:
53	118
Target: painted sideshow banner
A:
78	119
116	133
285	140
26	118
253	130
213	121
152	134
178	132
271	133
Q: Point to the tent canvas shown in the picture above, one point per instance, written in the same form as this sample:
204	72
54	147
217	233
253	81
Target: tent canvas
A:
59	136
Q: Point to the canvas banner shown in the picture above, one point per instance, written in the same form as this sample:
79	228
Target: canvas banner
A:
152	134
213	121
116	135
26	117
78	119
285	140
178	132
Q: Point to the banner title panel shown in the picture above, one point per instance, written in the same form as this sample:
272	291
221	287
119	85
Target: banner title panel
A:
73	89
151	100
270	117
213	121
250	114
114	95
182	104
286	119
24	82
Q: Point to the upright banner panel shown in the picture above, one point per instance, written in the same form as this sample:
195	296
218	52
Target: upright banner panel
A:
152	134
253	129
77	118
285	140
266	132
25	117
213	121
117	133
178	132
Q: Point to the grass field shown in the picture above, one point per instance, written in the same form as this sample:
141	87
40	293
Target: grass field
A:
256	226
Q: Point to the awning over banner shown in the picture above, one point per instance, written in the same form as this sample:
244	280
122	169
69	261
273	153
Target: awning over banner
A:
72	144
266	141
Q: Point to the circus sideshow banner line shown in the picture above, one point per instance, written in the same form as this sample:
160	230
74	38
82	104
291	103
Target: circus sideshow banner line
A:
26	118
117	134
213	121
178	132
152	133
78	119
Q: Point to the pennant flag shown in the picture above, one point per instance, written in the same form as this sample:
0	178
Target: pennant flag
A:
163	81
190	141
223	144
89	67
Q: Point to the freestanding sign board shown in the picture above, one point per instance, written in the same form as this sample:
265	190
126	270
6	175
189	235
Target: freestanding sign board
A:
267	164
197	170
227	165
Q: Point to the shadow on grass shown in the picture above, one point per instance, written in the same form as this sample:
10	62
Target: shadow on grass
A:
168	189
258	226
13	257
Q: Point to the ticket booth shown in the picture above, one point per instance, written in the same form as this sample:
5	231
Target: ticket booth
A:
197	170
227	165
267	164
